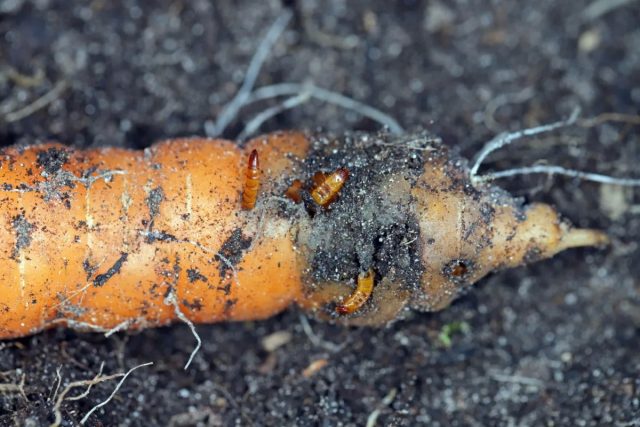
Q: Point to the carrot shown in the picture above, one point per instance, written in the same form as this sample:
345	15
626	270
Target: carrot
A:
108	238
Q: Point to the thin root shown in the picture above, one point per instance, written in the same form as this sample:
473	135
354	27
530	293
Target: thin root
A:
630	119
508	138
388	399
25	80
267	114
324	95
99	378
171	300
558	170
119	327
38	104
231	109
518	379
502	100
299	93
59	398
325	39
18	388
76	325
115	390
316	340
54	392
601	7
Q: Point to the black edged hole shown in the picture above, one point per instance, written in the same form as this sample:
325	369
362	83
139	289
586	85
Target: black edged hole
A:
458	270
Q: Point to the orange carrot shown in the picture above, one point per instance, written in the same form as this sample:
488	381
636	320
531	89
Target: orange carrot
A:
108	238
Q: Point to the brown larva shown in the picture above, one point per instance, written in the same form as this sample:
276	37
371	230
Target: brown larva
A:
251	182
327	187
359	297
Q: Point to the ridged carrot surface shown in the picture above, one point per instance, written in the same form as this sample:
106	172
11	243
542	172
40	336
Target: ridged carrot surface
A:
99	238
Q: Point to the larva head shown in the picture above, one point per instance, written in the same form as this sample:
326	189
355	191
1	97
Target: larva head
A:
253	162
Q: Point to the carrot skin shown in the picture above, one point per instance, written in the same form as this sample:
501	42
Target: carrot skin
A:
110	248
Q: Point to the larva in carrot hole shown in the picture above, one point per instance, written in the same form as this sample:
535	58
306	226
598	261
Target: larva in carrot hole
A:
327	189
359	297
111	238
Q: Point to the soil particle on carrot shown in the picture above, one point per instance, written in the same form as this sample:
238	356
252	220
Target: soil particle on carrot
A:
232	251
89	268
195	275
195	305
101	279
153	201
51	160
23	230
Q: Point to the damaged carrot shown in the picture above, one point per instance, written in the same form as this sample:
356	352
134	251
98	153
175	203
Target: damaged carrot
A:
106	239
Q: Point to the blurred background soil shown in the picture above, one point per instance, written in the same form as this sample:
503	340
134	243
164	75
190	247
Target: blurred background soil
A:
556	343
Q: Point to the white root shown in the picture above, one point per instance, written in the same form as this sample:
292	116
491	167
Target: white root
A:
299	93
267	114
629	119
119	327
171	300
601	7
559	170
316	340
54	394
90	327
10	388
324	95
372	420
38	104
231	109
502	100
97	379
505	139
115	390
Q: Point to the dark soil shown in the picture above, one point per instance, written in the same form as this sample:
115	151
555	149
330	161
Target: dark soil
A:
556	343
